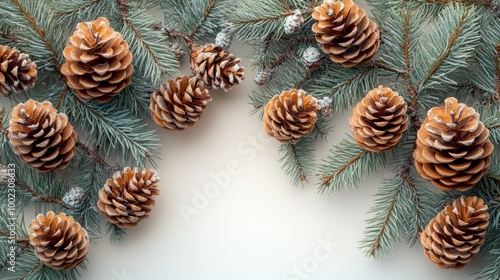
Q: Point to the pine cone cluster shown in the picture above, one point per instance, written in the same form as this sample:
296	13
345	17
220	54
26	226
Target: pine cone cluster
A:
216	67
456	234
129	196
453	150
290	115
98	61
179	103
345	32
17	71
42	138
59	241
379	120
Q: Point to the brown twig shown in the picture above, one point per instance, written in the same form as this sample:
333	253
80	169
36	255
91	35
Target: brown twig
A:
95	156
7	35
40	196
175	34
496	97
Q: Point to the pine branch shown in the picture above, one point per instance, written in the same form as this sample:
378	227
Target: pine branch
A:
41	33
95	156
41	197
116	234
346	165
79	9
206	12
8	36
297	160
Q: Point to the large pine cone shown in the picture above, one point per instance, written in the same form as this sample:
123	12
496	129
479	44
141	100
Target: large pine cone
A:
456	234
129	197
42	138
17	71
179	103
290	115
216	67
379	120
98	61
453	150
345	32
59	241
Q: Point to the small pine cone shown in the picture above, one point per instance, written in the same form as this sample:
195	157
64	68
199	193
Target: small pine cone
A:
4	174
98	61
216	67
345	32
223	40
263	75
59	241
456	234
453	150
293	22
179	103
311	57
42	138
290	115
74	197
325	107
129	196
17	71
379	120
179	52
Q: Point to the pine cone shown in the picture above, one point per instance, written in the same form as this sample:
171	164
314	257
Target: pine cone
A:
59	241
456	234
216	67
179	103
290	115
293	22
74	198
98	61
42	138
379	120
345	32
453	150
17	71
129	197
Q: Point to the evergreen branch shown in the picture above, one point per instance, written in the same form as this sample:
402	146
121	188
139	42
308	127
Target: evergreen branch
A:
144	43
175	34
298	159
454	37
451	42
95	156
346	165
41	33
496	97
465	2
35	267
327	179
41	196
78	10
372	251
206	12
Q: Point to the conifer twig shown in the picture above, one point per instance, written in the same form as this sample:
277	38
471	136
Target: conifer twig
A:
175	34
39	32
95	156
7	35
206	13
302	176
327	178
497	72
40	196
84	7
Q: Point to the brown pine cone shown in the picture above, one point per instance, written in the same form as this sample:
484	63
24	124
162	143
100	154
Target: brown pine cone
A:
290	115
456	234
129	197
17	71
98	61
216	67
453	150
345	32
179	103
42	138
59	241
379	120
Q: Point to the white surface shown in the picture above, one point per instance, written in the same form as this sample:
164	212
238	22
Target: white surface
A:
258	226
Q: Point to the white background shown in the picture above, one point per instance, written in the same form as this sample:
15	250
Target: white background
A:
258	226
